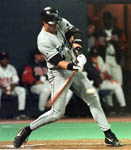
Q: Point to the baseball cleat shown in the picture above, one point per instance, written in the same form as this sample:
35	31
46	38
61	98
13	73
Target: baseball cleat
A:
112	140
21	136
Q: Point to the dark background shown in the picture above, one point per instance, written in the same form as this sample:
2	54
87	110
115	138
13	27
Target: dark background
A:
20	24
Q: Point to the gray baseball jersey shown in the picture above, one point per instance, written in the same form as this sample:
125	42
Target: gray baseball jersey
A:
50	44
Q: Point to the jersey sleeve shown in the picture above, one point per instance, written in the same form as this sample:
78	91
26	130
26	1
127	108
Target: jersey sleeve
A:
47	49
65	25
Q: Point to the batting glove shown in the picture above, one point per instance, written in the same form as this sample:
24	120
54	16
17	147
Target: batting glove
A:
77	67
81	60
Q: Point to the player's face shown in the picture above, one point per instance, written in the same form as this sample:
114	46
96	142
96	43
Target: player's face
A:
51	28
107	23
91	29
4	62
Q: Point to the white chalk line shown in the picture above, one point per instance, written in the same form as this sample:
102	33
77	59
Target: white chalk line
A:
58	144
53	144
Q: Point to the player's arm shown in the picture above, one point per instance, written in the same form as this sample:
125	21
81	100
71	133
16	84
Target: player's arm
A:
58	61
74	36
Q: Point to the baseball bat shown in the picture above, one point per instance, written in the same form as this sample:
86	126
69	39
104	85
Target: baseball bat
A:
53	99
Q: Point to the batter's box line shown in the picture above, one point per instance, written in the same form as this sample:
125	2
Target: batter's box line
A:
51	144
59	144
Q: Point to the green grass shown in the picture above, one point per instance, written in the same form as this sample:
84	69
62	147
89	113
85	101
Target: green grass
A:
66	130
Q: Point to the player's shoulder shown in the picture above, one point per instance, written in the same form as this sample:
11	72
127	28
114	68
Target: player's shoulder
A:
65	24
11	67
43	36
64	21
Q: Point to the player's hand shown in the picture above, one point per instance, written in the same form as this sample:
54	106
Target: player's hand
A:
8	90
113	81
81	60
77	67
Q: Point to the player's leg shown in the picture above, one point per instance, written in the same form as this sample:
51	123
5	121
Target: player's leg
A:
80	86
43	90
116	73
109	100
44	98
21	94
68	97
117	90
55	113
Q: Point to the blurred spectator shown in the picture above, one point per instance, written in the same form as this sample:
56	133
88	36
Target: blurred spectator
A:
35	77
96	21
111	42
97	72
9	84
91	40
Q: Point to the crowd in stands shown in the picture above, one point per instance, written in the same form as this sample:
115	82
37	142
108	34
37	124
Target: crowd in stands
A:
106	45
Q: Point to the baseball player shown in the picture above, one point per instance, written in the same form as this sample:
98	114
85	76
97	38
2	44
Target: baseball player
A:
112	43
9	84
61	44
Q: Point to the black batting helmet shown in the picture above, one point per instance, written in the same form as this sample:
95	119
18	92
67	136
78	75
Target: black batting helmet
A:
50	15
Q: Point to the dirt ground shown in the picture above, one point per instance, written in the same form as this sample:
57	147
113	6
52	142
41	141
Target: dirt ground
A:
88	144
68	144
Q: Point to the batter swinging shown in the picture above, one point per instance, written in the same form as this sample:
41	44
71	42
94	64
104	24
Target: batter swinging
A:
61	44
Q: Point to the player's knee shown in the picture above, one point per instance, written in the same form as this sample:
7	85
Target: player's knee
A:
58	115
20	90
23	90
94	101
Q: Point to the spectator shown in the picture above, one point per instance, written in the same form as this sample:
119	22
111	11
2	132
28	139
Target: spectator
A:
111	46
97	72
9	84
35	76
91	40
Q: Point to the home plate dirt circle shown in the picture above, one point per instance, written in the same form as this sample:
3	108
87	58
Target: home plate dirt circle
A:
67	144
